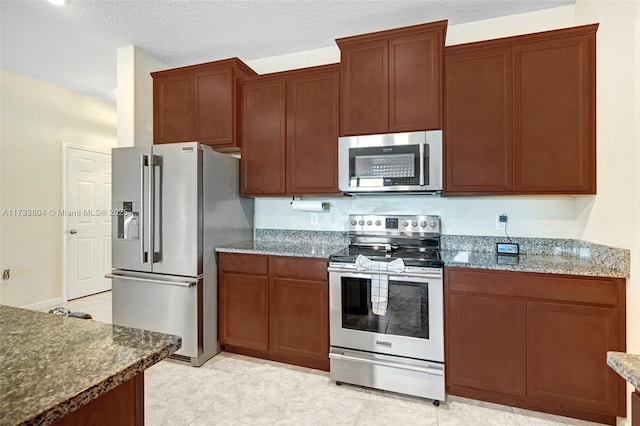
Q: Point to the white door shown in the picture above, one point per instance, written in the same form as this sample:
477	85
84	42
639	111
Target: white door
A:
87	221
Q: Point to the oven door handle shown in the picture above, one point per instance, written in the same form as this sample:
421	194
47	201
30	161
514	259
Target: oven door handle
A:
398	276
427	370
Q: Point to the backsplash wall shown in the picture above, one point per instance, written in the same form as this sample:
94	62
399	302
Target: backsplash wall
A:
547	217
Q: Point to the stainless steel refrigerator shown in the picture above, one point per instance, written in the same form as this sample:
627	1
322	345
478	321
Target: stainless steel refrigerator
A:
175	203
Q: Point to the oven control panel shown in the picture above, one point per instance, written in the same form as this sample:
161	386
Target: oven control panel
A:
394	223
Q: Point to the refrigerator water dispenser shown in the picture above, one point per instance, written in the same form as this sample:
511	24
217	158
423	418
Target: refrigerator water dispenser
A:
129	220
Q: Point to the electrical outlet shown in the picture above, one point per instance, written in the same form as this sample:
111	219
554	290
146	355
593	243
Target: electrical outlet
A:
313	218
501	222
6	276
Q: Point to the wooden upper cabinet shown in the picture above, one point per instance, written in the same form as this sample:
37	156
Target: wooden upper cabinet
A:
288	124
173	114
365	87
554	115
262	132
478	111
415	81
391	81
198	103
520	114
312	132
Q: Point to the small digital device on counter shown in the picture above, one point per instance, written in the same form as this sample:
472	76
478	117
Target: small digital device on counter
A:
509	249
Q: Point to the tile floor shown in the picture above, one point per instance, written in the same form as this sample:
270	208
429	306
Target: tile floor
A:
237	390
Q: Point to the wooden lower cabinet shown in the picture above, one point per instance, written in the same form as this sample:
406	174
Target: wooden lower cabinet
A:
635	408
488	347
244	311
275	308
566	354
536	341
122	405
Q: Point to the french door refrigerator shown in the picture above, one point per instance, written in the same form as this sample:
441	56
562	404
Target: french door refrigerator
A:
175	204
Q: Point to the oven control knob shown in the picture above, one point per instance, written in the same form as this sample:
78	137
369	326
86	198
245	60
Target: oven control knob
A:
423	224
354	222
361	222
405	223
369	223
414	223
432	223
378	223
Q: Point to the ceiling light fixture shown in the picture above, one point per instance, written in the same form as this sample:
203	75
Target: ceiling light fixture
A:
58	2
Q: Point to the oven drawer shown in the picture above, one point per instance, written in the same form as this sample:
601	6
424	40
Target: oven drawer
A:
396	374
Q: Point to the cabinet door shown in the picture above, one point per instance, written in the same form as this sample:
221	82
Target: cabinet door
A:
364	83
635	408
415	81
478	130
214	107
173	109
554	115
566	355
299	318
486	343
244	313
262	135
312	132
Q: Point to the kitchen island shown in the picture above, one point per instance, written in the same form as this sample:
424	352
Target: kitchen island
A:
628	367
57	369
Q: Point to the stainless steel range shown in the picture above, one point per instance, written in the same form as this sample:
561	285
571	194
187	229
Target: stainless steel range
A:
386	306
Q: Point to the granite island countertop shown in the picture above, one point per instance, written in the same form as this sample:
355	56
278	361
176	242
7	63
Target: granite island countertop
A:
51	365
627	366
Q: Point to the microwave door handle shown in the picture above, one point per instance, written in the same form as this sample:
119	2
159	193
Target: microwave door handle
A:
143	253
421	171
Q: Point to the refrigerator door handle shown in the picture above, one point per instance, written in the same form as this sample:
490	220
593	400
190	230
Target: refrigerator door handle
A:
187	284
143	163
152	208
156	237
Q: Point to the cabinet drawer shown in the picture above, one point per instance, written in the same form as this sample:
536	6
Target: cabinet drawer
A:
243	263
300	268
599	291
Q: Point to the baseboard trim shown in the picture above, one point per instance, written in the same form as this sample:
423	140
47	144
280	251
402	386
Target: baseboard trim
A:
44	304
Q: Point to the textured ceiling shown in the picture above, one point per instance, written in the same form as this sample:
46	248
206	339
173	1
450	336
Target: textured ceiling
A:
74	46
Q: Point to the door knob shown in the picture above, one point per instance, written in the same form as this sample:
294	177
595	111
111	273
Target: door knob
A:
73	231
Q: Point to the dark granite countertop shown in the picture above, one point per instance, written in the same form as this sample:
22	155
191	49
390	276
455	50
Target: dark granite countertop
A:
627	366
549	264
303	248
50	365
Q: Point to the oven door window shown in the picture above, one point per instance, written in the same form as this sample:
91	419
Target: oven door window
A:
407	309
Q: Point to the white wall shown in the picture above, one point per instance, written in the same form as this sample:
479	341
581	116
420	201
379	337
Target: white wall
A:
36	117
614	218
135	95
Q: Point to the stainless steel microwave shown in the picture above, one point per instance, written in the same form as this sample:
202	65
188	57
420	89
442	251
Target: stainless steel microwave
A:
393	162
